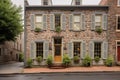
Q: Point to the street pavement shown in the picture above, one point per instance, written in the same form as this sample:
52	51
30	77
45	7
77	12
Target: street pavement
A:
64	76
11	67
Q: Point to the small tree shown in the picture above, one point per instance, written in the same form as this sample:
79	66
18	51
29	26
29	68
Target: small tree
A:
87	61
49	61
66	60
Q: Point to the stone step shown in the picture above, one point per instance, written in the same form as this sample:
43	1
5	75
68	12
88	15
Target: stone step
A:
57	66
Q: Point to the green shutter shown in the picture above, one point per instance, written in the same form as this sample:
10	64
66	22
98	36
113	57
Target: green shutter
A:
33	50
63	22
70	21
104	50
70	49
93	22
91	49
44	21
83	49
46	49
83	22
32	21
104	23
52	22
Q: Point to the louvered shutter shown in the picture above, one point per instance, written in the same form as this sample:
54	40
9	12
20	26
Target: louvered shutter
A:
83	22
32	19
104	50
104	23
45	49
70	49
63	22
44	21
91	49
83	49
71	22
52	22
33	50
93	22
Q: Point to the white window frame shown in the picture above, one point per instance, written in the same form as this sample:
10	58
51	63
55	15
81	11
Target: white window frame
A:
77	22
39	22
101	48
118	30
99	22
118	3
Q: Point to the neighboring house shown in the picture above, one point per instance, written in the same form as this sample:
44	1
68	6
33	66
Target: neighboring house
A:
10	50
113	27
77	24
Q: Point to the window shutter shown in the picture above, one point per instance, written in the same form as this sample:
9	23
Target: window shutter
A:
32	21
104	23
63	22
46	49
83	49
91	49
83	22
70	21
44	21
70	49
52	22
104	50
93	22
33	50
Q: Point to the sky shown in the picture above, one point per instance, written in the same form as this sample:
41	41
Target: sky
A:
56	2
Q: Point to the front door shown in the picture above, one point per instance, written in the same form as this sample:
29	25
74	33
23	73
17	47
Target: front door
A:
118	53
57	50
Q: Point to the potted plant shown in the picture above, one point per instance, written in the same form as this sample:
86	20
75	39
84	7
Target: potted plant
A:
76	59
29	63
66	60
58	29
49	61
37	29
99	30
109	61
39	59
87	61
97	59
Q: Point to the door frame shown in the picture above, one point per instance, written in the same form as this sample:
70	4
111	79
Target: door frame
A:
116	52
53	50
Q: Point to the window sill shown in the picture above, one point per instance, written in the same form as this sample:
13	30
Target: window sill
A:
117	30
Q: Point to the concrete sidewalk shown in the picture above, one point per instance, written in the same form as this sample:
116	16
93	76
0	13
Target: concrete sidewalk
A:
73	69
11	67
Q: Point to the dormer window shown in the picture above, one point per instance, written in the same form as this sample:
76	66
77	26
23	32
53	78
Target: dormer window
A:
77	2
45	2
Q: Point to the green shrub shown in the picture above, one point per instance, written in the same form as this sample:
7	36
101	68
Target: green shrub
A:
39	59
97	59
76	59
49	61
29	63
99	30
109	61
66	60
21	57
87	61
58	29
37	29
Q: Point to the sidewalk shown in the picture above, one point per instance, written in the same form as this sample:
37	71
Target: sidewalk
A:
73	69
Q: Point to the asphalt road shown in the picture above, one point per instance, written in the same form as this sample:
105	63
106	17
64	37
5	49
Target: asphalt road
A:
64	76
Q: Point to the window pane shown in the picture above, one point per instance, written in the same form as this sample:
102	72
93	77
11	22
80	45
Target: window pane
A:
98	20
38	18
77	49
118	24
39	49
97	49
45	2
57	20
77	18
76	26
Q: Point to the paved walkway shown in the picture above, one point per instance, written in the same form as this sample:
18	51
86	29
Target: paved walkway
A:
72	69
11	67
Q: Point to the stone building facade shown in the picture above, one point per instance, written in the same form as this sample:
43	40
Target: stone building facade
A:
10	50
113	27
76	30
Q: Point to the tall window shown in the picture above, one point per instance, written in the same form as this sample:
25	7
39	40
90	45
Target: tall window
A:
118	22
98	21
77	2
77	20
77	49
97	49
118	2
45	2
39	49
38	21
0	51
57	20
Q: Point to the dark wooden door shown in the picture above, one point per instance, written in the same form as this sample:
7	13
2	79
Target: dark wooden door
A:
118	53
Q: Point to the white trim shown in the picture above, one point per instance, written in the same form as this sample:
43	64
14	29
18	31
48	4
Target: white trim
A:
118	3
116	51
